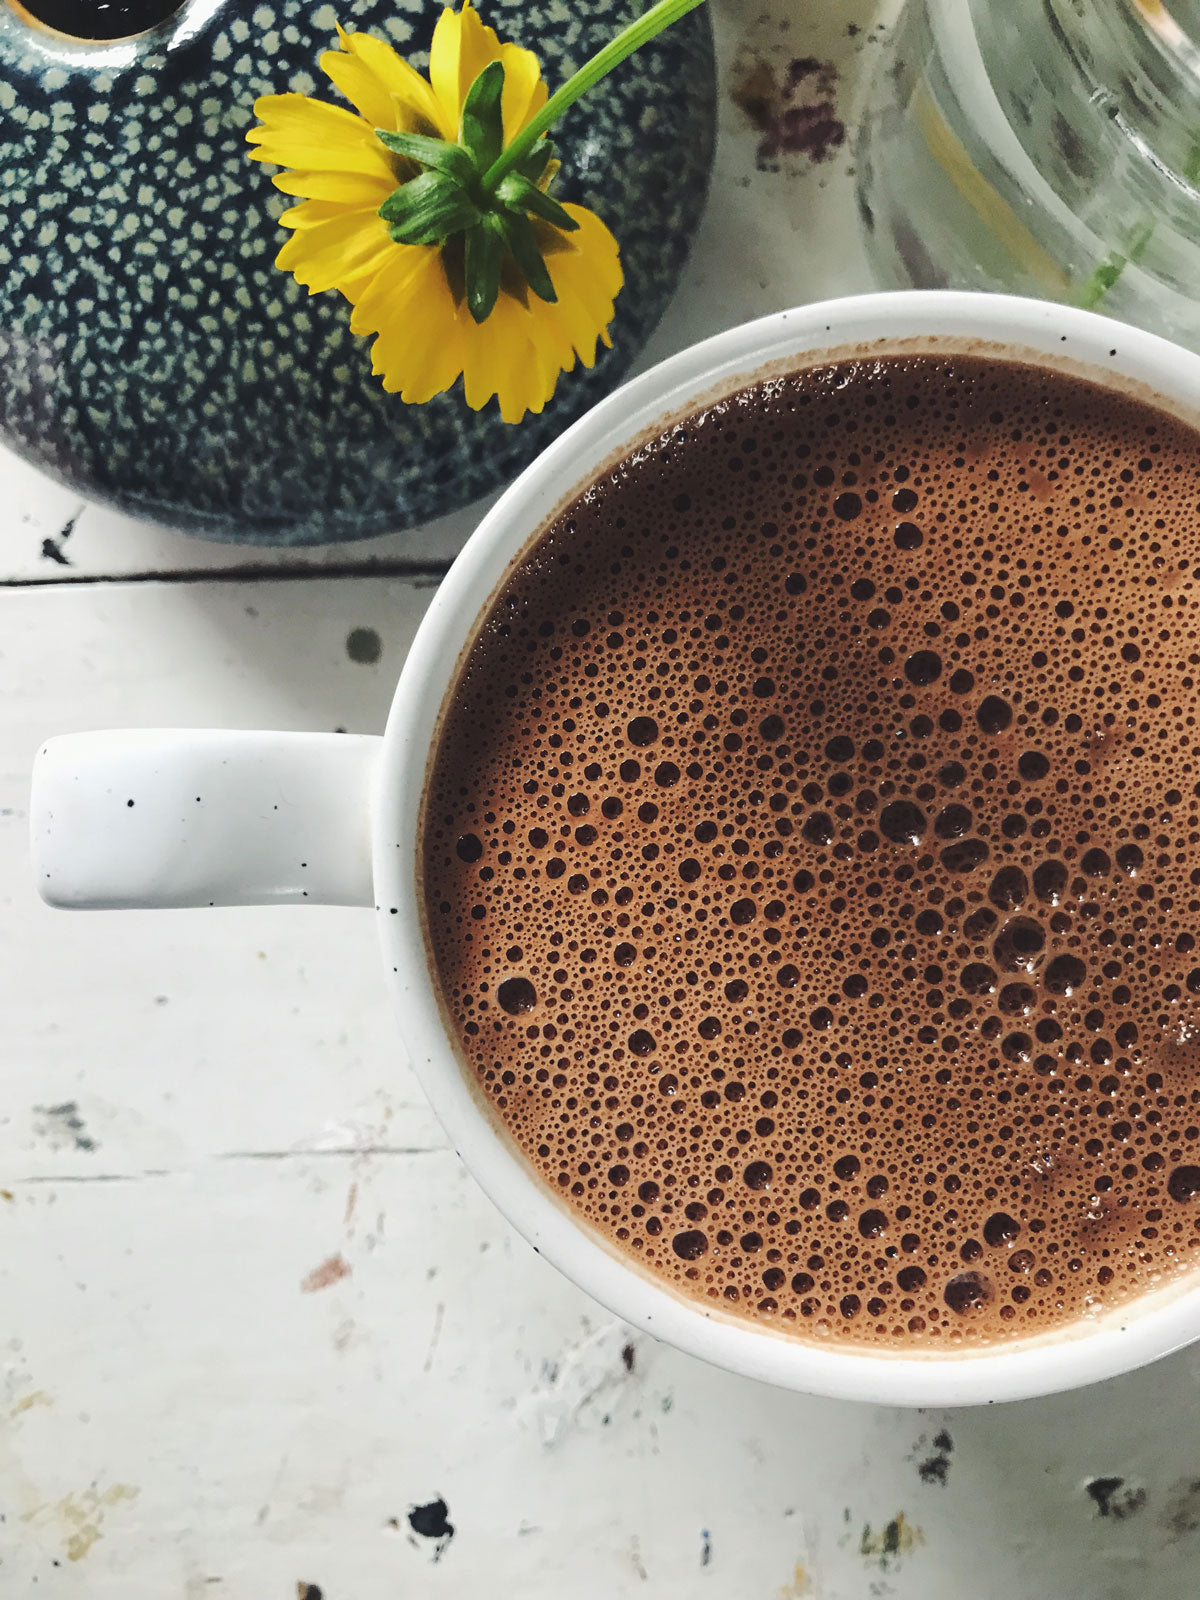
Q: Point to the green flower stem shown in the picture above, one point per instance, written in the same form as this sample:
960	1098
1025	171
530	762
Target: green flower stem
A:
1106	273
632	38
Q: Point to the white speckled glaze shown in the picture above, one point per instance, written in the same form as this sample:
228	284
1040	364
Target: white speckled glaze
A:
1020	329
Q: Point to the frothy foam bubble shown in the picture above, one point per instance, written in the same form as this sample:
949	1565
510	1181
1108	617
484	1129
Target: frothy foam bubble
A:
809	853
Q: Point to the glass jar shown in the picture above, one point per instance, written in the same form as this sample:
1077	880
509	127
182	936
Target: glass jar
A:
1045	147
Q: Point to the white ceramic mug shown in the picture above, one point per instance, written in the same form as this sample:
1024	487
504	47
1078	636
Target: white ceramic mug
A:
188	818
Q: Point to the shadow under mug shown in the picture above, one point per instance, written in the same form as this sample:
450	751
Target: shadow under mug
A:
249	818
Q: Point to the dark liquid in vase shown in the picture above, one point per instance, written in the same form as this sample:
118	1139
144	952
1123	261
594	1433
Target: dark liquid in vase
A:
100	19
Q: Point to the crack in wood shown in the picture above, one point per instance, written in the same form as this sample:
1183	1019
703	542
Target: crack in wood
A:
334	1150
344	1152
423	573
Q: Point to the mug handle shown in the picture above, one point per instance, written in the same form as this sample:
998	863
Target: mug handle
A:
203	817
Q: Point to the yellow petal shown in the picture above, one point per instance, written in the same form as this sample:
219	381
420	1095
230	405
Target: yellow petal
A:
298	132
435	365
363	272
377	304
490	346
383	87
503	357
419	349
563	332
462	46
553	342
310	212
353	189
552	347
524	92
587	278
356	283
361	87
548	359
338	249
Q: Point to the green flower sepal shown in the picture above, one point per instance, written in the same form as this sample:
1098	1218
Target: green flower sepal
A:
461	195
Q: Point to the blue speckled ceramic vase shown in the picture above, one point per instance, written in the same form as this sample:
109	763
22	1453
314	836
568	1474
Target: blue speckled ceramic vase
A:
152	355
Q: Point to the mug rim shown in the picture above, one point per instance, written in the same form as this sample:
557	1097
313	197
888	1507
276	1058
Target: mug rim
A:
1142	1330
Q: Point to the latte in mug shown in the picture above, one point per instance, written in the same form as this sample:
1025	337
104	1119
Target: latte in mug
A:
811	853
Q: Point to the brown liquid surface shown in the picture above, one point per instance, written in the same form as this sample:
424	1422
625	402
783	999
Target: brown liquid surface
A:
812	854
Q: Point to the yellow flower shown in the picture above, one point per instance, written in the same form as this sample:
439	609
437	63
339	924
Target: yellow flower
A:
411	296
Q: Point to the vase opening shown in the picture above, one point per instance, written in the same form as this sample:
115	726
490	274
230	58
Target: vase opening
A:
96	20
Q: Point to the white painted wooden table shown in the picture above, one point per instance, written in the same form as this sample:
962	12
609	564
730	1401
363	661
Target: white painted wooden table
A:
260	1335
